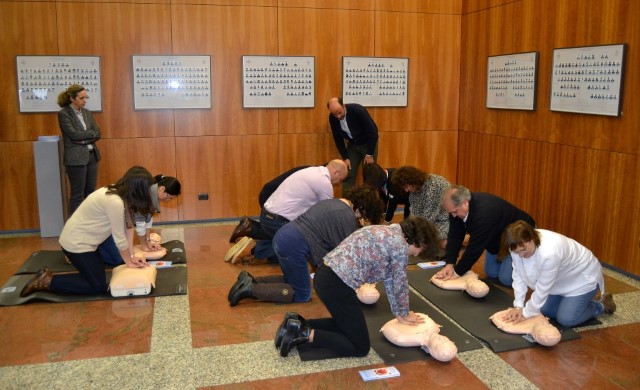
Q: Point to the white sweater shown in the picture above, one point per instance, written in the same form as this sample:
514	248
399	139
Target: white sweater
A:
99	216
559	266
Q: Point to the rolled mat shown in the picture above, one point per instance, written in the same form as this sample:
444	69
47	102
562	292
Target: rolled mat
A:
54	259
473	313
379	314
169	281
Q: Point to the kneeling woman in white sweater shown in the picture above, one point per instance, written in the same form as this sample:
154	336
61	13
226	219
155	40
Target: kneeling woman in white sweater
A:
563	274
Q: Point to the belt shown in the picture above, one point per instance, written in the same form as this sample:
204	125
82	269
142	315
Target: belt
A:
273	216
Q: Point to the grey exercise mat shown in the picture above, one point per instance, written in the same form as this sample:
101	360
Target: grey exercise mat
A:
54	259
379	314
169	281
473	313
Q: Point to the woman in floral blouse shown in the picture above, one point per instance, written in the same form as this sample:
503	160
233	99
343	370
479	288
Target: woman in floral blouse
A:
369	255
425	195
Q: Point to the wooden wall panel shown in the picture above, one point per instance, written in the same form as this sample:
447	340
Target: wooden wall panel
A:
453	7
469	6
327	34
25	29
231	169
582	193
431	151
116	32
545	26
432	44
18	199
329	4
156	154
305	149
226	33
573	172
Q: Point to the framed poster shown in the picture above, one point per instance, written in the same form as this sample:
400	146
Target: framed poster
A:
588	79
171	82
278	82
375	81
42	78
512	81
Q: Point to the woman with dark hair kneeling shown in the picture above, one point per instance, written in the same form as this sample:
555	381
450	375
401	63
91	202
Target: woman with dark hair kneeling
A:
369	255
563	274
107	211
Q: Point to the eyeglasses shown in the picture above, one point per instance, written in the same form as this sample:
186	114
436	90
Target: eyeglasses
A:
83	97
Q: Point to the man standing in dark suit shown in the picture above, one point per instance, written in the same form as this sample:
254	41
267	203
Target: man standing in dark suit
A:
352	122
484	216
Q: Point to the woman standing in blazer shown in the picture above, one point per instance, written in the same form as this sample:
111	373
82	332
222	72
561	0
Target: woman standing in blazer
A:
79	133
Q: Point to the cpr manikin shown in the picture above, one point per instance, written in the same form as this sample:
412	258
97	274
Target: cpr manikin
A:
537	326
426	334
368	293
154	238
469	282
126	281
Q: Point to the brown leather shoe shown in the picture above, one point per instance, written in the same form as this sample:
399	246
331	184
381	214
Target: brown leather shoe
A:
251	260
609	304
40	282
242	230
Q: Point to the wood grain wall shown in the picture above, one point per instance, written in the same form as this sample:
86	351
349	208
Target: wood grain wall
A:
577	174
229	152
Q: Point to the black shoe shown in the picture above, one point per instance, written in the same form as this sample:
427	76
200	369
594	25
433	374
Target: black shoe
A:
243	291
282	329
295	335
240	282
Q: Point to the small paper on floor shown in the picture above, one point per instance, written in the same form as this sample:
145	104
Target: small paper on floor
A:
431	264
379	373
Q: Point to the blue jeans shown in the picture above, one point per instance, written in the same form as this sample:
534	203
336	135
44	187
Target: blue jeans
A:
501	270
267	229
292	249
109	253
572	311
90	280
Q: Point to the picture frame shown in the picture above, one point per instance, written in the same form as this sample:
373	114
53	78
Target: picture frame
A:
512	81
42	78
375	81
162	82
588	79
278	81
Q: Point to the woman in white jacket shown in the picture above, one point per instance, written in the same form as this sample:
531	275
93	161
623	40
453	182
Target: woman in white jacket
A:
563	274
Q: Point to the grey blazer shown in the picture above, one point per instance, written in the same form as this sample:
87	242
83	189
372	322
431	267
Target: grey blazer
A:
76	138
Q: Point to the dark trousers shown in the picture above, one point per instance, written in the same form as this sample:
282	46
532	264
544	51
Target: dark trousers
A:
356	155
346	332
90	280
82	181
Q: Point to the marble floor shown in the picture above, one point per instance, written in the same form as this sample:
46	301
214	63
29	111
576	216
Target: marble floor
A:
196	341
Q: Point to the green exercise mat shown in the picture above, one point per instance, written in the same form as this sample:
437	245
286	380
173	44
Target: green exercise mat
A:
169	281
379	314
54	259
473	313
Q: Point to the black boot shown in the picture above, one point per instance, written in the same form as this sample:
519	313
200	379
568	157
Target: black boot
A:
282	329
243	291
270	279
240	282
273	292
296	334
